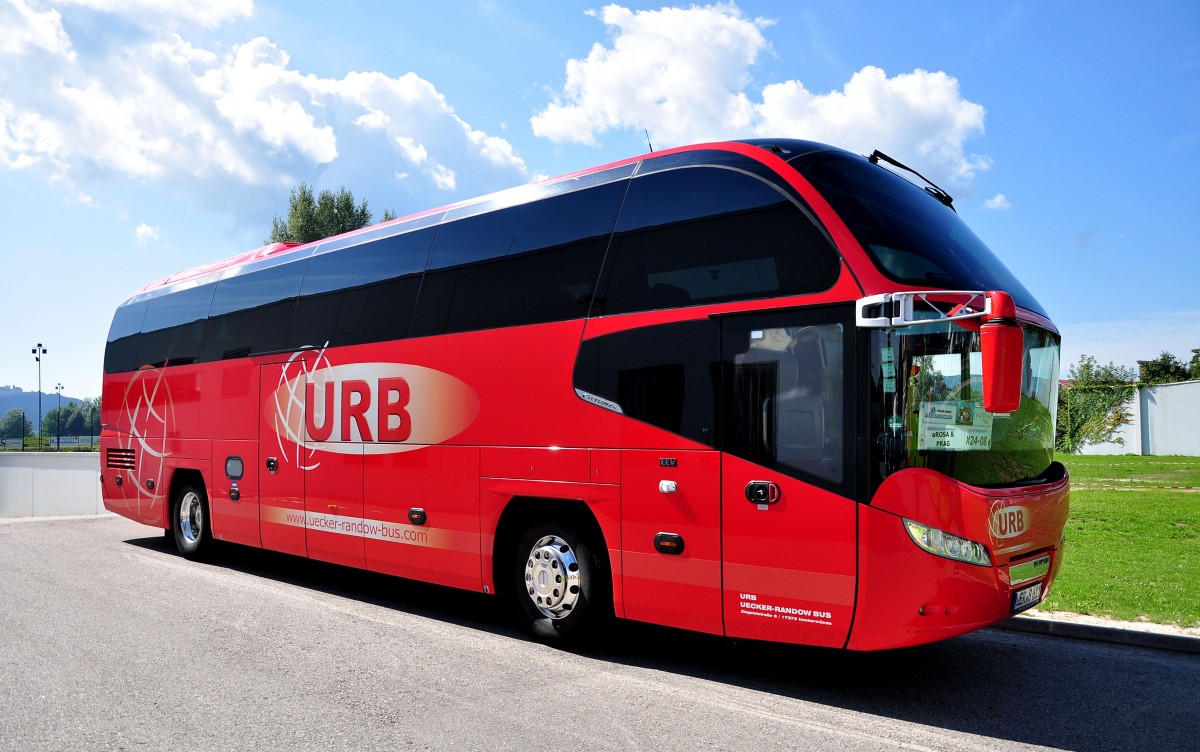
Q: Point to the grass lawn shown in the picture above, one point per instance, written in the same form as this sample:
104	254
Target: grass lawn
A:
1134	471
1132	554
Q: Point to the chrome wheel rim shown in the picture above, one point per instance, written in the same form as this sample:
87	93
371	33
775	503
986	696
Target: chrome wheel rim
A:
552	577
191	518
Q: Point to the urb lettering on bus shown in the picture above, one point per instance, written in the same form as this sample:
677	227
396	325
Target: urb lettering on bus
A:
392	420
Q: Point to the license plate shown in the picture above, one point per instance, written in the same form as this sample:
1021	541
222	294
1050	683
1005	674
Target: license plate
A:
1031	570
1026	597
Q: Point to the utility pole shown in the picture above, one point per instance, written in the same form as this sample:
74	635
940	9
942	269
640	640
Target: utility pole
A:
38	352
58	415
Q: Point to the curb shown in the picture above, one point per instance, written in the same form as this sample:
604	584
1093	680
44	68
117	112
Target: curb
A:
1095	633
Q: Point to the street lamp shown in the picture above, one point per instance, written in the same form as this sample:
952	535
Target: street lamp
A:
38	352
58	415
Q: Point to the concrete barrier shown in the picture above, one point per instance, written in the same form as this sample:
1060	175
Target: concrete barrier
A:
50	484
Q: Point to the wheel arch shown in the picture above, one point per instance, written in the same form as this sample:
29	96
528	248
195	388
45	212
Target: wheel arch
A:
183	476
180	477
521	511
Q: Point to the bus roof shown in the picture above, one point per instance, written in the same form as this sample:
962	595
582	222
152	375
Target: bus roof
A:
784	148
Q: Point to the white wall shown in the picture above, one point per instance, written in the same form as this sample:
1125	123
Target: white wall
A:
1172	424
49	484
1165	420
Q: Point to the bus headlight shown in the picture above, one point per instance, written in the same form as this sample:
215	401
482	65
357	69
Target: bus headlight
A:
941	543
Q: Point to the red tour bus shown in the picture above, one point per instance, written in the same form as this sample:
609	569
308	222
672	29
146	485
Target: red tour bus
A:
766	389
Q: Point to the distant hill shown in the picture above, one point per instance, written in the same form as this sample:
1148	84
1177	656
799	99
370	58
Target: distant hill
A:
14	397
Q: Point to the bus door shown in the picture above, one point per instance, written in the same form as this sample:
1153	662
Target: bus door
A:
311	457
282	457
670	523
787	509
338	419
665	376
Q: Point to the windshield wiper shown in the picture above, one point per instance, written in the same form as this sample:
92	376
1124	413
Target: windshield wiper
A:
932	189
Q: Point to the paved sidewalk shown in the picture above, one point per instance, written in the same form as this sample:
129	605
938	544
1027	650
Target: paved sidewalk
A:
1099	629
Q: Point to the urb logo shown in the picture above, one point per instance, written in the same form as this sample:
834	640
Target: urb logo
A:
376	408
1008	521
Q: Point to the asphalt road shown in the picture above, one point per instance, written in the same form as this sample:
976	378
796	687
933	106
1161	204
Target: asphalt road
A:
109	640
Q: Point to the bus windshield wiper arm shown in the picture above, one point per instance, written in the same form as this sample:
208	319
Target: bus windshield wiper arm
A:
933	189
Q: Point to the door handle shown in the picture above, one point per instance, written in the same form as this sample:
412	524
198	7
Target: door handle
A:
762	492
272	464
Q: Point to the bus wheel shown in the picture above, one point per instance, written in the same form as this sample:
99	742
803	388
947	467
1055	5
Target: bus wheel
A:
560	584
190	521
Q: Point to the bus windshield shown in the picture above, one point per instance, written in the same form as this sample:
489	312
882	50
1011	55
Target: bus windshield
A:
927	407
910	235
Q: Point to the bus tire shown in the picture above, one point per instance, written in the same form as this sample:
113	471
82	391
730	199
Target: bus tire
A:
560	583
190	521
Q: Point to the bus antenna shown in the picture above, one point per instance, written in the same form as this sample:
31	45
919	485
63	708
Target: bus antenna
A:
647	131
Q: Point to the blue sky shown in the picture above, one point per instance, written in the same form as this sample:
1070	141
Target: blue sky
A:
142	137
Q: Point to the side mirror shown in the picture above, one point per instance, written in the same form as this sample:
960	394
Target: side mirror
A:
1003	345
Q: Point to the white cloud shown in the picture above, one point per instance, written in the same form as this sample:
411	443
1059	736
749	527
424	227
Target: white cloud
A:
920	115
257	92
684	74
676	72
421	123
162	109
999	202
444	178
145	234
26	28
412	151
27	139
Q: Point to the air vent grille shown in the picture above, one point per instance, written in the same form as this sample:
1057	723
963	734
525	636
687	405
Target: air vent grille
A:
120	459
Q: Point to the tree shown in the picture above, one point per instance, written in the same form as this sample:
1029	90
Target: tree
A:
1194	365
90	410
1089	373
15	424
1096	404
312	217
1165	369
61	420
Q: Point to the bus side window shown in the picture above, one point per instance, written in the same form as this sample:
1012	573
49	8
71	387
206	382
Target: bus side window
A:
527	264
785	394
363	293
121	353
665	375
174	327
698	235
252	311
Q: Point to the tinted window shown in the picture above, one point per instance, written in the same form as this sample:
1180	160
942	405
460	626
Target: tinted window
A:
252	312
174	327
526	264
377	312
127	320
786	403
257	288
361	294
121	354
175	308
664	375
911	236
368	263
705	235
315	320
